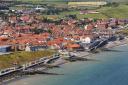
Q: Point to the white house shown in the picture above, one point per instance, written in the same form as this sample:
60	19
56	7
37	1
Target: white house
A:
86	40
28	48
40	8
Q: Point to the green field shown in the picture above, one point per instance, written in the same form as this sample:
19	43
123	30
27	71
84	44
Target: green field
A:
80	16
105	12
38	1
116	12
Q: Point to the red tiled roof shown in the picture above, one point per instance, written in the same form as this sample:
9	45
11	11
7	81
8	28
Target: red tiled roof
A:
73	46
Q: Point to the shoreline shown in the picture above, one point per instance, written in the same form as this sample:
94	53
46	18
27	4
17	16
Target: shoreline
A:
15	79
81	71
117	43
62	62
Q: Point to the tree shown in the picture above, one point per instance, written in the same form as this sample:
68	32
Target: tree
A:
113	4
71	16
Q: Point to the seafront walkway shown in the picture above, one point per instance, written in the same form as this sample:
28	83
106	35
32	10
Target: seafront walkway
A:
17	71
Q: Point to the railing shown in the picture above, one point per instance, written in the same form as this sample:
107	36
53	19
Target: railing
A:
22	67
44	60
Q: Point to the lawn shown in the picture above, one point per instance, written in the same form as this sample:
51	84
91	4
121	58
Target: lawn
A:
22	57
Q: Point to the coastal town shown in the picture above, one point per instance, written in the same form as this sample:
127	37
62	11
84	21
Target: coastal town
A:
27	30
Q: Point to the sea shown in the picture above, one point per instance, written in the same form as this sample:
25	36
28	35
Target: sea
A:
104	68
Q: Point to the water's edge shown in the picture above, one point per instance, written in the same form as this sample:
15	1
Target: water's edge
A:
109	68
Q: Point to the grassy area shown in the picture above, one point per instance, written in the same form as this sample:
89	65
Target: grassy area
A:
105	12
22	57
44	1
80	16
98	16
116	12
40	0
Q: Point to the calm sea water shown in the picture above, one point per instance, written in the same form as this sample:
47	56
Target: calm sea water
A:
108	68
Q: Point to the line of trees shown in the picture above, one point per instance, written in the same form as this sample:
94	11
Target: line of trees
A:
112	4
